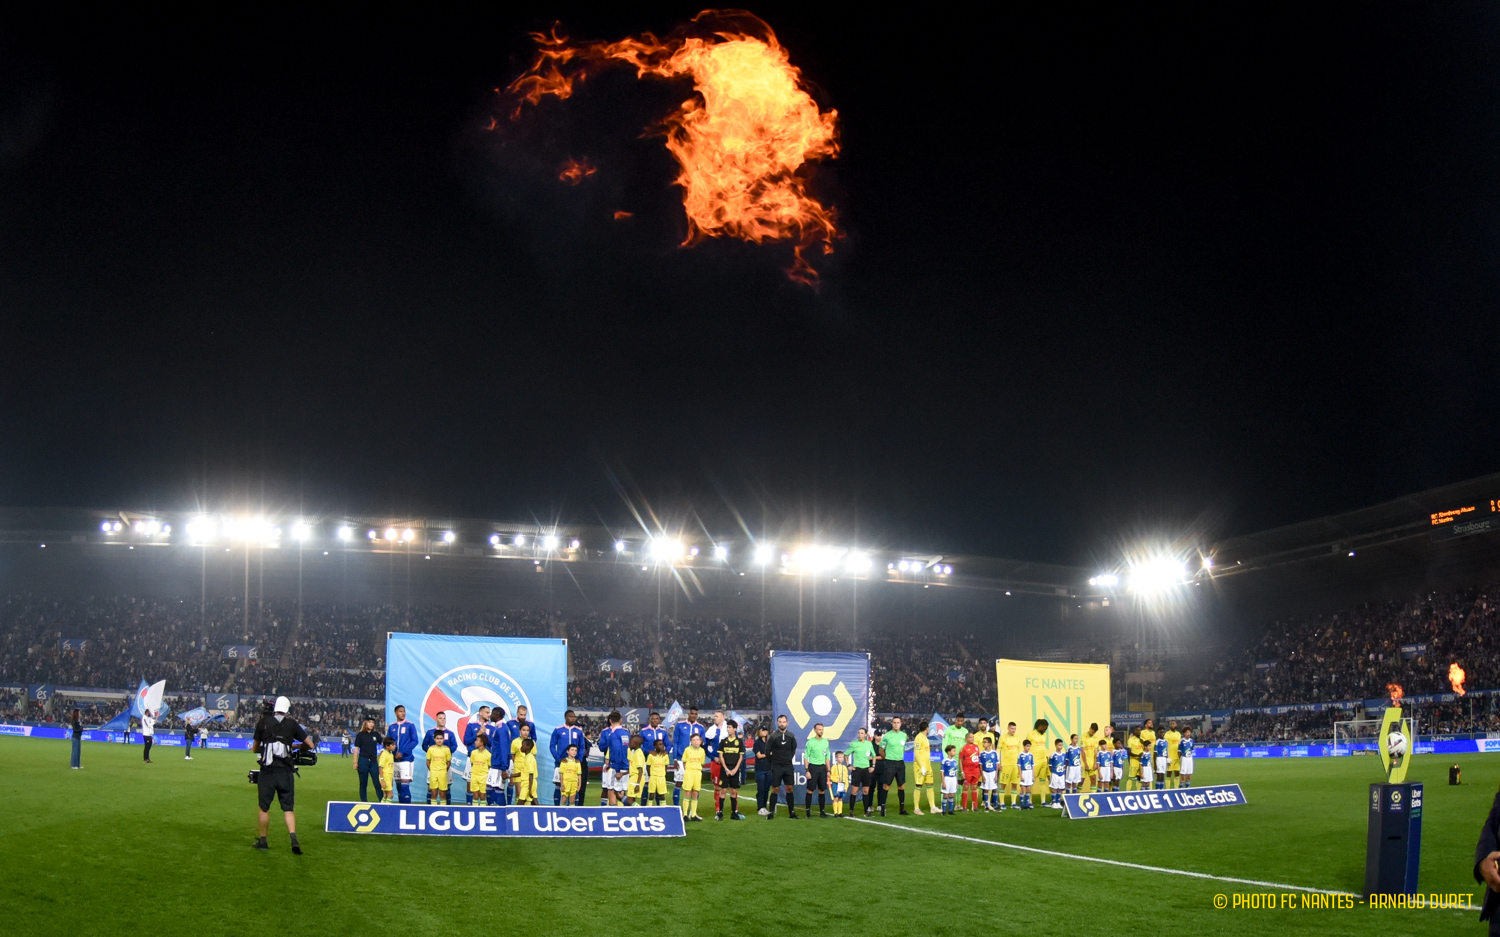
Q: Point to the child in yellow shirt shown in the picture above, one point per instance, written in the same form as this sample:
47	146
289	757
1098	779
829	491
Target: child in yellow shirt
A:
439	759
692	781
656	767
637	772
838	779
571	772
479	769
523	773
386	761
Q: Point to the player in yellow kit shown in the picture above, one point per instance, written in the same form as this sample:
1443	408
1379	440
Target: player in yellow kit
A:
692	779
386	760
439	759
1010	771
1174	755
479	769
523	772
571	773
637	772
656	769
1039	747
1135	746
838	780
985	733
921	769
1091	758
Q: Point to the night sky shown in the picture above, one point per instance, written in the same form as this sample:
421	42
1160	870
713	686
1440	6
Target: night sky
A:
1105	272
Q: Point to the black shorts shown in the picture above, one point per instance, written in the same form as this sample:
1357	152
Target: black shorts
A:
893	772
783	774
732	778
277	784
859	777
817	779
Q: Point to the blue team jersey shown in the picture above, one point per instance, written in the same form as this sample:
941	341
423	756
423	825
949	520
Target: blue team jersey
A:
950	767
1161	748
1074	756
1055	762
1122	758
989	761
1026	761
1145	757
615	743
649	737
1185	748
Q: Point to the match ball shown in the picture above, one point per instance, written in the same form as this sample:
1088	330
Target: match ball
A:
1396	744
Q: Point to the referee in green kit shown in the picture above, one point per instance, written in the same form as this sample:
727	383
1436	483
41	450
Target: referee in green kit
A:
815	760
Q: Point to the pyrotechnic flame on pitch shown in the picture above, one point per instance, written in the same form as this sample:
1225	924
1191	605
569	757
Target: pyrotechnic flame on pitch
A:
575	171
1456	677
743	142
1397	694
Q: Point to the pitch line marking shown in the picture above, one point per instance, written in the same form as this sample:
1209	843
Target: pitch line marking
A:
1127	865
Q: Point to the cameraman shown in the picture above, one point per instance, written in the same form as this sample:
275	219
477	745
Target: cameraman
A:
276	738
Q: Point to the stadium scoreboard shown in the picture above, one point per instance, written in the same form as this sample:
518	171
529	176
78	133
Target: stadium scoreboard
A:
1475	517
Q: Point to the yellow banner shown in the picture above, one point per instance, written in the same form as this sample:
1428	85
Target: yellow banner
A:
1069	696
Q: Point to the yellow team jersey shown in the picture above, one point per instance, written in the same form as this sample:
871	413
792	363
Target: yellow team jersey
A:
479	768
1136	746
1010	750
1147	737
524	764
656	764
979	738
515	748
692	768
637	764
571	772
839	774
1090	751
921	754
438	760
387	762
1039	744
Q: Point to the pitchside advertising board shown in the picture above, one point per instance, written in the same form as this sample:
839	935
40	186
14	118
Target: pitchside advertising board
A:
1069	696
438	820
811	687
1132	803
457	674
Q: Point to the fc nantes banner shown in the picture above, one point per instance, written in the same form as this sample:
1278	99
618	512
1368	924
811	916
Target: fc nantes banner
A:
457	674
813	687
1068	696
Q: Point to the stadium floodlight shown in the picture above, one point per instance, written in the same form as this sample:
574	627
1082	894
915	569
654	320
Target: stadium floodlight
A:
1156	575
693	551
1105	580
345	533
390	533
904	566
300	531
370	533
665	549
166	529
858	563
763	554
408	535
574	544
494	540
549	542
1208	562
519	541
721	552
619	546
107	527
449	537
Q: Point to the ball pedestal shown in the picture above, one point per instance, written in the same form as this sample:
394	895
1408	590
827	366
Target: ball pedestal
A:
1393	846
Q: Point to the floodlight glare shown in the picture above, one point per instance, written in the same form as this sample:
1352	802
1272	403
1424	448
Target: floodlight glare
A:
904	566
693	551
494	540
762	555
106	528
299	531
550	542
721	552
573	544
619	546
1156	575
407	535
858	563
520	541
390	533
1106	580
449	537
345	533
370	534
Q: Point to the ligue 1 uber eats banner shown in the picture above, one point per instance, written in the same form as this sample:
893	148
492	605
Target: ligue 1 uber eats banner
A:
457	674
1068	696
440	820
812	687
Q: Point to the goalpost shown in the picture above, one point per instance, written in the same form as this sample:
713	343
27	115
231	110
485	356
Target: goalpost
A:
1347	732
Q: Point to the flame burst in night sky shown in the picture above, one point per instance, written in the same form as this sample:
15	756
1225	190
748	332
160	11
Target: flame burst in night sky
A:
744	142
1456	677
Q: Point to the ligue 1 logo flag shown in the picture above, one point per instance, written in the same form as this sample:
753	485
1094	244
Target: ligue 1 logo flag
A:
456	675
814	687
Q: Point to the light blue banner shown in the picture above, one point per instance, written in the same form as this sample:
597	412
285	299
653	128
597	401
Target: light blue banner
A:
457	674
438	820
1131	803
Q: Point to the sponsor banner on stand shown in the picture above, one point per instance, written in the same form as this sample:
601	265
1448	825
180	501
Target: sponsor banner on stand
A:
461	820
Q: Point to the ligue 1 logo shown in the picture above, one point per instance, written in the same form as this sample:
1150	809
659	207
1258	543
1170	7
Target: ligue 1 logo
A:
822	705
461	691
363	818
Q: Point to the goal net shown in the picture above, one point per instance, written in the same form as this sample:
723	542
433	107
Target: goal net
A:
1362	736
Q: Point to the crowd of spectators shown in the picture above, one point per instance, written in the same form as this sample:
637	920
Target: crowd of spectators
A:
1356	654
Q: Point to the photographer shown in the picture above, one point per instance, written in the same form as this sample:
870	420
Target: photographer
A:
277	739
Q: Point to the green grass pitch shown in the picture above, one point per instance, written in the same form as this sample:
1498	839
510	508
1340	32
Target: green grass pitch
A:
123	847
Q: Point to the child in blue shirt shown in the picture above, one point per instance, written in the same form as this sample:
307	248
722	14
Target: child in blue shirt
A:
950	777
1057	773
1026	765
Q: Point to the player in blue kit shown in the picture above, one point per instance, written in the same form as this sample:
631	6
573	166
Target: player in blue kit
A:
989	769
1026	767
1073	764
950	777
1160	751
1122	765
1057	768
1185	748
614	742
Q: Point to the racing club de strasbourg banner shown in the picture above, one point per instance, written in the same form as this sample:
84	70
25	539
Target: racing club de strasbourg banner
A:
1068	696
812	687
457	674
